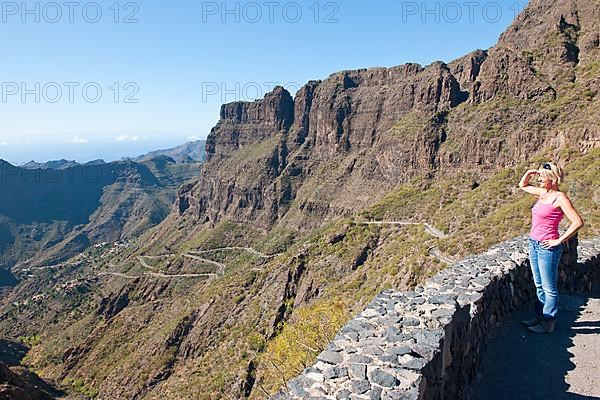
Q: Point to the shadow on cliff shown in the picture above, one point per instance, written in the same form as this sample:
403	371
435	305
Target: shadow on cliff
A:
11	352
519	365
19	381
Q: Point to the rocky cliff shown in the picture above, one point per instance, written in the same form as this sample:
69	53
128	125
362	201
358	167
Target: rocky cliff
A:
343	142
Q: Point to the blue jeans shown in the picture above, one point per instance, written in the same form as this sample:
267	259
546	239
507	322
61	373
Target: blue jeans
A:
544	267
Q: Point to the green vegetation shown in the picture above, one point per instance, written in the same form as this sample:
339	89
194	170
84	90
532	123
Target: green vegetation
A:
409	124
300	340
589	94
590	70
229	233
30	341
80	386
254	152
268	317
475	219
339	268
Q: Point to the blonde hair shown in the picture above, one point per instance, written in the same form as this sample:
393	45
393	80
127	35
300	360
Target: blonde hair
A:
555	173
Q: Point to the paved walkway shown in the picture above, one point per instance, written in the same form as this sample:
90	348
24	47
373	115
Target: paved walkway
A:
563	365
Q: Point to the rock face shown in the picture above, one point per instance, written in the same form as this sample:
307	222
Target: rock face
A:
261	153
343	142
507	73
466	69
14	386
243	124
349	109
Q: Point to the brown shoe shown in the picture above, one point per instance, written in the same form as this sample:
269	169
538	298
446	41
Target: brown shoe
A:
545	326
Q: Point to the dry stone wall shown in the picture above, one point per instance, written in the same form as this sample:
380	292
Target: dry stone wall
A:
425	344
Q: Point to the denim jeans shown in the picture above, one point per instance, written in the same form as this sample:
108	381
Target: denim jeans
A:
544	267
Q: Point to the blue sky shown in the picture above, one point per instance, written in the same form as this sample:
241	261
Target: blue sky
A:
112	79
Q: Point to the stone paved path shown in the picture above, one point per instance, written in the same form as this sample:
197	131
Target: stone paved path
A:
564	365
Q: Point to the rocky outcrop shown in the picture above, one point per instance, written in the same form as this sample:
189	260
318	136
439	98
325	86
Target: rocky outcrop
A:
14	386
243	123
555	37
351	109
466	69
425	344
506	73
112	305
288	295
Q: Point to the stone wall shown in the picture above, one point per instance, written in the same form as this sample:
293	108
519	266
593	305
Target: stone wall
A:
425	344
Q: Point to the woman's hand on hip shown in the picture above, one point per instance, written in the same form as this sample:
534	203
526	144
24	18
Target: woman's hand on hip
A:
546	244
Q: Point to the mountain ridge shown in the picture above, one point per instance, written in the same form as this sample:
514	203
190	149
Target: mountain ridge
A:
72	207
192	151
188	152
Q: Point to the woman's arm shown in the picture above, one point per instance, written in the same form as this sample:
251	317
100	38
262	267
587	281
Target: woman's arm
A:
524	184
576	221
572	214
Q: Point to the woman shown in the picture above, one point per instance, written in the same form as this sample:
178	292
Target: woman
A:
545	244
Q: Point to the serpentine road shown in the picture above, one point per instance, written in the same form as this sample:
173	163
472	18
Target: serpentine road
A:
191	255
248	249
194	255
219	265
433	231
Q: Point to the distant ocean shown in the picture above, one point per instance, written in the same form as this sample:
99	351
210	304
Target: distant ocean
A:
110	150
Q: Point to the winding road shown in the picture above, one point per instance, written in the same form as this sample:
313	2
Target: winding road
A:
194	255
191	255
248	249
433	231
156	275
219	265
142	261
435	252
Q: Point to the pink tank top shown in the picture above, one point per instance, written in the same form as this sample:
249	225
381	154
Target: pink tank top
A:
544	221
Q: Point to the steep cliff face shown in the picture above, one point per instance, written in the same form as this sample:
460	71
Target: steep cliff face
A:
541	49
343	142
350	110
243	123
466	69
244	153
280	143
